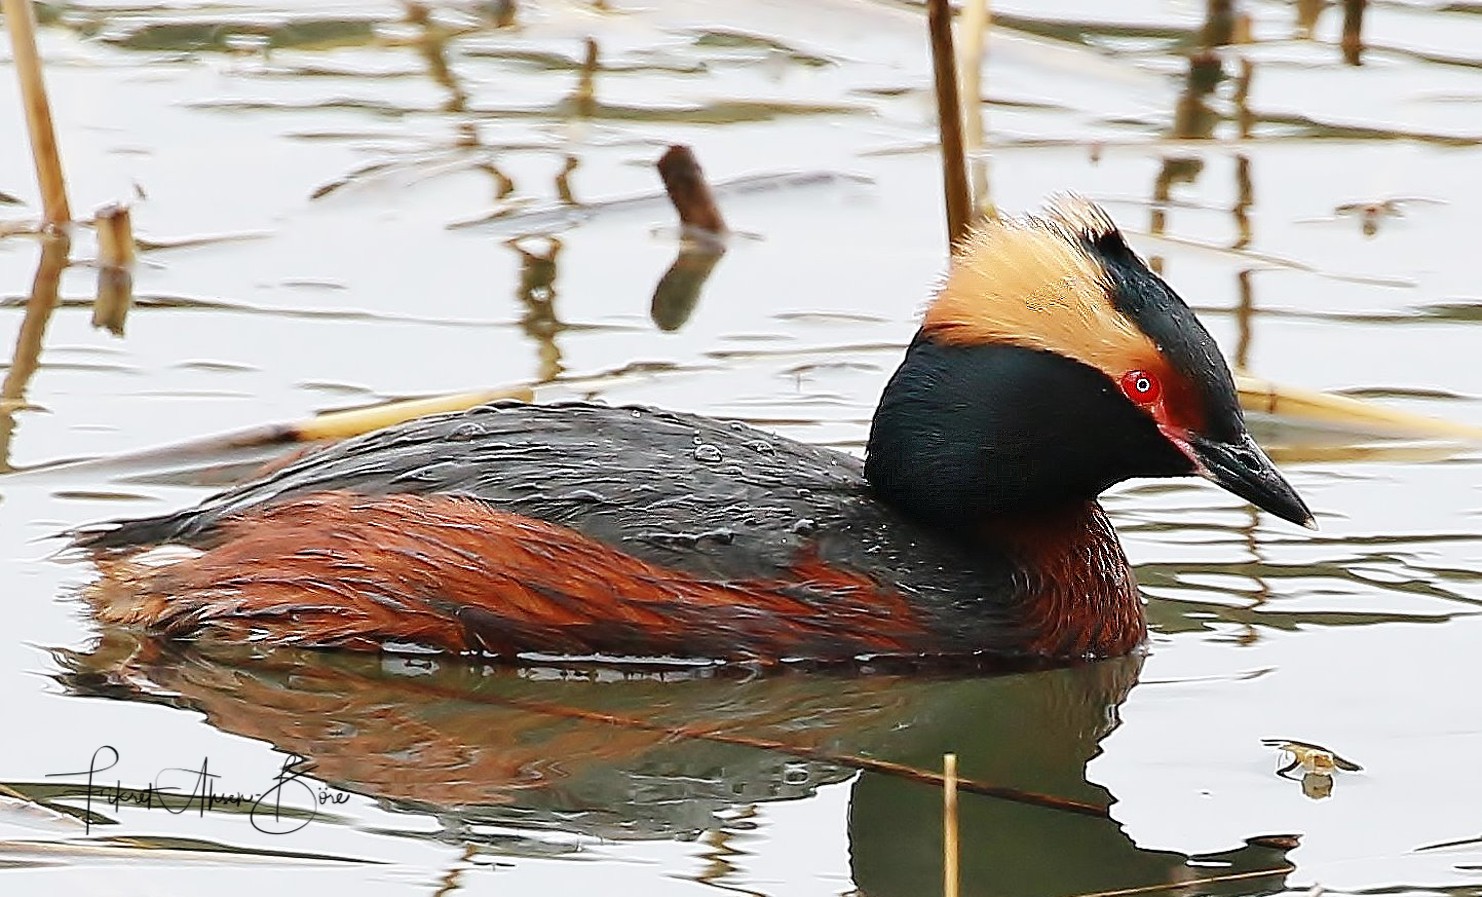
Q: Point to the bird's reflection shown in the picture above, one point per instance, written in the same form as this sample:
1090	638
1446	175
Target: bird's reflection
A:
689	755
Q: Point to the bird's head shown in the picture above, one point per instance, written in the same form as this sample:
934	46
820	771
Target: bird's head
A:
1052	364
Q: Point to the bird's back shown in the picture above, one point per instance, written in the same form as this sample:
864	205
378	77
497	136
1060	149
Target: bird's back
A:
768	533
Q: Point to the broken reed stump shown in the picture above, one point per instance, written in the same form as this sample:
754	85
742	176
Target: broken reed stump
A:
115	268
704	233
685	183
20	21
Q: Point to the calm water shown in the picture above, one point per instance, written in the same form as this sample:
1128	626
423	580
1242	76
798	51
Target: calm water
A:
343	149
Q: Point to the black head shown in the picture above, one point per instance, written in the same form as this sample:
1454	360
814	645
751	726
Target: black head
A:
1052	364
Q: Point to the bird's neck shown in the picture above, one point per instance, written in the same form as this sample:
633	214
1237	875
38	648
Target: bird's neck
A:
1010	446
1077	596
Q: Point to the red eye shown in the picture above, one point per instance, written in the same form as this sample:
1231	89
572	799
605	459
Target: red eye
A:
1141	387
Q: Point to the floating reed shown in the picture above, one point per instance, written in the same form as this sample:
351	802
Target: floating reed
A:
20	21
1345	413
334	425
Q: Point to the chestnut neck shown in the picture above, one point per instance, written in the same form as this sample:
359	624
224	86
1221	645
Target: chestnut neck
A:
1077	595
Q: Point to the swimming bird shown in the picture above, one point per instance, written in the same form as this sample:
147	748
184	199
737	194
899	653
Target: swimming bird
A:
1051	364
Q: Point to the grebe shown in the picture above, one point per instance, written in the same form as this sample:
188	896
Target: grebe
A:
1051	364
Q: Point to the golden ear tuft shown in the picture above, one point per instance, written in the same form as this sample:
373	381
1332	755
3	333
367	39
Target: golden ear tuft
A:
1080	216
1035	282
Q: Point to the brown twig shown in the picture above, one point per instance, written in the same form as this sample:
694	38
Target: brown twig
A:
949	120
334	425
20	21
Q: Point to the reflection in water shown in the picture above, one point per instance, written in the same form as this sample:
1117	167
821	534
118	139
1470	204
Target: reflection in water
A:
115	295
569	165
491	750
582	102
1195	119
703	238
432	46
537	293
678	291
1307	13
1353	28
27	355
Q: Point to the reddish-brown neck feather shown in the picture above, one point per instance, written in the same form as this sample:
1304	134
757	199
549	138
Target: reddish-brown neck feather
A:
1081	598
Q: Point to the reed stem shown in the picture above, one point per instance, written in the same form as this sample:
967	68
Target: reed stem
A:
115	267
949	121
976	19
951	876
20	21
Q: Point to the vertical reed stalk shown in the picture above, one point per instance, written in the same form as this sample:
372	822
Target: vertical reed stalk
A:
951	877
976	19
20	21
949	121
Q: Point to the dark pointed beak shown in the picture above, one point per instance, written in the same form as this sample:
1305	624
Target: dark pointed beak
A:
1244	469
